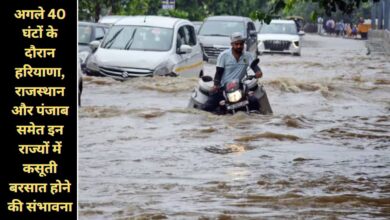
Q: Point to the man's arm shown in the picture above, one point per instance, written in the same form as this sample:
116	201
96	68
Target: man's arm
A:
218	76
256	68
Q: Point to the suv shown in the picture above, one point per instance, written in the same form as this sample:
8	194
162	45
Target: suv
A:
280	36
147	46
214	34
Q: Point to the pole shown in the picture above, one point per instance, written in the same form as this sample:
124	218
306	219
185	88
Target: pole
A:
373	14
387	15
380	15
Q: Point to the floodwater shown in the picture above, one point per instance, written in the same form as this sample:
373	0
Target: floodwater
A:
323	154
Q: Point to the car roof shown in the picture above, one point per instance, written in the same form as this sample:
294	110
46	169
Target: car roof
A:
110	19
280	21
150	20
86	23
227	18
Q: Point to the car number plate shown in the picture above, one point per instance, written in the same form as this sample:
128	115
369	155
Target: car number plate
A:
237	105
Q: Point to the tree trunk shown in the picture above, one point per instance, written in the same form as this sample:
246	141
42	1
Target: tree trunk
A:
97	12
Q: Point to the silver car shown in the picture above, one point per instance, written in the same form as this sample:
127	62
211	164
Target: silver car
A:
214	34
280	36
147	46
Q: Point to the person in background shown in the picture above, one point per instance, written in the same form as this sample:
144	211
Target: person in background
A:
361	20
347	30
340	28
354	31
320	22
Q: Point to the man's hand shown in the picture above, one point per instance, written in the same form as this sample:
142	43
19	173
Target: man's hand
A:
215	88
258	74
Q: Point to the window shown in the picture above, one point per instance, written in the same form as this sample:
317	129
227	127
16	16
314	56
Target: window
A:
99	33
138	38
181	37
251	27
192	36
186	35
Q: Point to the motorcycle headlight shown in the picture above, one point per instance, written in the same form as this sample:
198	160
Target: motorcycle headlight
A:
92	63
234	96
83	56
165	68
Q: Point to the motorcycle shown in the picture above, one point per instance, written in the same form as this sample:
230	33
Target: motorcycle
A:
237	95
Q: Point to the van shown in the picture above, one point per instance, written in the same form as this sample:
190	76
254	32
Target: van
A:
214	34
147	46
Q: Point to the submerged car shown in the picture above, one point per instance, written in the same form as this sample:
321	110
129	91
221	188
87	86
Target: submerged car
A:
214	34
147	46
280	36
88	32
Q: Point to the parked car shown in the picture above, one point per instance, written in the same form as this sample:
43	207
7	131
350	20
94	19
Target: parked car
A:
89	32
280	36
214	34
147	46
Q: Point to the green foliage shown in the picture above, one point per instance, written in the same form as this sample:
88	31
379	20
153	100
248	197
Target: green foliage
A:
326	7
173	13
197	10
135	7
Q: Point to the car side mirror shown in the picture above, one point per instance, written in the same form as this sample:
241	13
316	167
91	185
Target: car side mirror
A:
94	45
253	33
301	33
185	49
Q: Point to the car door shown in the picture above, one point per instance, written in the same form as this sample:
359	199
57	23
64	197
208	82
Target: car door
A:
190	63
252	38
195	58
180	59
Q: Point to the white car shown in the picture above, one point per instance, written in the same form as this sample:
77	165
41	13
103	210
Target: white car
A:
147	46
280	36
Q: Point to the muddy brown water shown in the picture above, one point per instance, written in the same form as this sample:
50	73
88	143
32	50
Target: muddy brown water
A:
323	154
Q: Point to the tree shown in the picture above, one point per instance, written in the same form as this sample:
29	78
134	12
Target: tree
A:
93	9
329	7
135	7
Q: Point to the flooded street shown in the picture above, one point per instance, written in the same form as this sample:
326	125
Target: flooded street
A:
323	154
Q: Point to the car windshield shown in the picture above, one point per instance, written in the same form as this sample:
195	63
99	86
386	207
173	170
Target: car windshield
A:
221	28
278	28
138	38
85	33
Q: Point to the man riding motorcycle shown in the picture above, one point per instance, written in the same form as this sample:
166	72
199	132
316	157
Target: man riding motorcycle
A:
232	65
